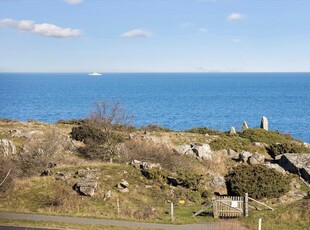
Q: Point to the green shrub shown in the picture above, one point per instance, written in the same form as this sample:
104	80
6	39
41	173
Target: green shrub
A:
203	130
156	128
258	181
231	142
278	149
156	174
264	136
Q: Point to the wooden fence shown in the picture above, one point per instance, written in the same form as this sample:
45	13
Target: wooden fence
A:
230	206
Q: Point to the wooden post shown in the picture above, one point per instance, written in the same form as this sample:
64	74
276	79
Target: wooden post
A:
117	204
260	224
246	205
171	211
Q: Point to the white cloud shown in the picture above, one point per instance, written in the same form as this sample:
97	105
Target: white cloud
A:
44	29
136	33
236	17
203	30
73	2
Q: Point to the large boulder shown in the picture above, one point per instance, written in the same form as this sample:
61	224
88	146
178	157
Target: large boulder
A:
185	149
264	123
297	163
233	154
145	165
202	151
256	158
276	167
86	187
7	147
218	185
244	156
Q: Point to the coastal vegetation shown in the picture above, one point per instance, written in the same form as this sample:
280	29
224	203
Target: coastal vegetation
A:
102	166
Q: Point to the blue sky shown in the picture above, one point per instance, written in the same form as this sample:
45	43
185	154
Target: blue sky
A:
154	35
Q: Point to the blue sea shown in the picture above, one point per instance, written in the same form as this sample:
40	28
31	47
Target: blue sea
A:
175	100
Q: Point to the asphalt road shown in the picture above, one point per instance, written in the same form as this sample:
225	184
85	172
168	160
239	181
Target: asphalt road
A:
223	225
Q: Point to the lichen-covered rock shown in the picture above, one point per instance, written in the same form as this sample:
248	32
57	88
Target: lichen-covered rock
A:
276	167
107	195
297	163
233	154
202	151
123	186
7	147
256	158
244	156
86	187
185	149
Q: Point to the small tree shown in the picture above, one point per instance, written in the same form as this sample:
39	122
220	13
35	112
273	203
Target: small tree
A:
99	131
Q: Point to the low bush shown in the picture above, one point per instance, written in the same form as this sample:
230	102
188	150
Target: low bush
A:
278	149
156	128
203	130
258	181
264	136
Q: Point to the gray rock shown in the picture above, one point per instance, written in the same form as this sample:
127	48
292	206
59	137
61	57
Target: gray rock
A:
276	167
185	149
244	156
203	151
232	131
136	163
306	144
256	158
297	163
244	126
107	195
264	123
123	186
146	165
233	154
218	185
62	176
86	187
16	133
7	147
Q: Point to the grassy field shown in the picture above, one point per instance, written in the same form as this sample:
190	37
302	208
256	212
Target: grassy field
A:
294	216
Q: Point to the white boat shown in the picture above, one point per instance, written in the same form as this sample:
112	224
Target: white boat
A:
94	74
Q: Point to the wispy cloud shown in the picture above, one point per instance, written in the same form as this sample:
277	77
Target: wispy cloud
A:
137	33
73	2
43	29
236	17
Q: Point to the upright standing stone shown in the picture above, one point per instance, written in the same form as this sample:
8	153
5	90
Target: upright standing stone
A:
264	123
244	126
232	131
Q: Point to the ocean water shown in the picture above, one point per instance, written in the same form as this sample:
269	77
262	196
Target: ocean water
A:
175	100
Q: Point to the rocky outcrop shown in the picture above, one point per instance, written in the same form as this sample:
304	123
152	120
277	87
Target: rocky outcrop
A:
107	195
123	186
233	154
185	149
86	187
244	156
145	165
256	158
218	185
297	163
244	126
264	123
202	151
7	148
276	167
